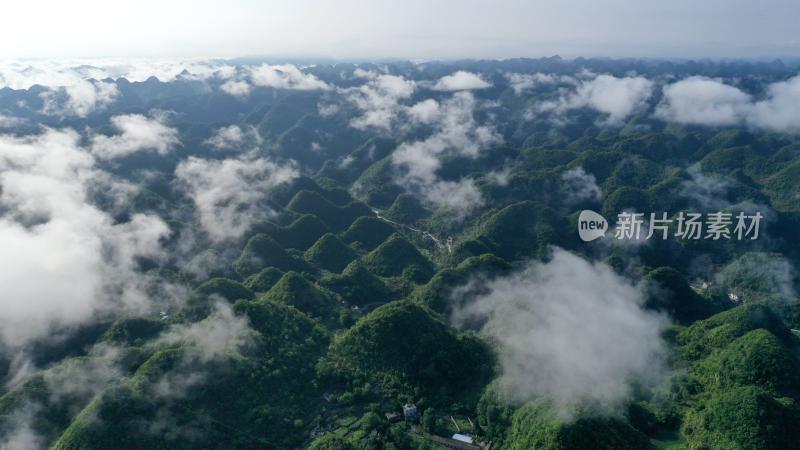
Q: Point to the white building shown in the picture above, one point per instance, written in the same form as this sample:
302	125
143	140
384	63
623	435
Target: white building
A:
462	438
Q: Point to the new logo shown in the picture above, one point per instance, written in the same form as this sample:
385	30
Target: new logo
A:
591	225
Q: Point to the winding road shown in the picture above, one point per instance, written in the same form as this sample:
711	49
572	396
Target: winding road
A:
439	243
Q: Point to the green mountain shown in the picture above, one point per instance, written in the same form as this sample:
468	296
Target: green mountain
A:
330	253
263	280
295	290
405	347
262	251
538	425
368	232
407	209
335	217
358	286
743	417
389	282
398	257
436	294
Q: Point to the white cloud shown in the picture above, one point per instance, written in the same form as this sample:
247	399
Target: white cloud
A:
460	198
22	74
228	194
461	81
707	191
500	177
780	110
580	186
327	110
10	121
220	336
379	99
426	111
86	377
455	132
22	436
521	82
221	333
703	101
617	98
421	158
756	274
570	330
234	137
226	72
135	133
285	76
236	88
64	261
79	99
706	101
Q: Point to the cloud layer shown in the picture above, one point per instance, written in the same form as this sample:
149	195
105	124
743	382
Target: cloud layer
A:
285	76
228	194
242	80
379	99
703	101
707	101
79	99
461	81
570	330
53	73
580	186
616	98
135	133
234	137
456	132
65	260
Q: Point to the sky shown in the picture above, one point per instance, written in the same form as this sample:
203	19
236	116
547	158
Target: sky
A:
413	29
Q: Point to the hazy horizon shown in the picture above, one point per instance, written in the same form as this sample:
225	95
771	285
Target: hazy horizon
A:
411	30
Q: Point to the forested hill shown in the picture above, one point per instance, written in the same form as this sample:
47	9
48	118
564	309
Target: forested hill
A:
239	254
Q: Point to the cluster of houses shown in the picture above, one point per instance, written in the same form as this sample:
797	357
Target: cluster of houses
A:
410	413
733	296
459	441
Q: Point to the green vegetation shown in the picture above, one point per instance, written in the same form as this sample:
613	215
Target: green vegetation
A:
669	292
295	290
368	232
336	217
300	234
283	194
262	251
407	209
200	302
538	425
373	187
742	418
758	358
133	331
398	257
330	253
519	230
263	280
405	348
436	294
714	333
339	302
228	289
358	286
